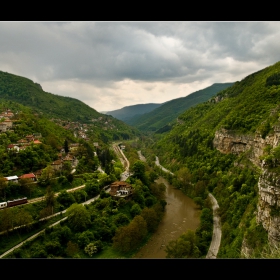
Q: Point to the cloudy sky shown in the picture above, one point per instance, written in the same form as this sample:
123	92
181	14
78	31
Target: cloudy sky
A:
110	65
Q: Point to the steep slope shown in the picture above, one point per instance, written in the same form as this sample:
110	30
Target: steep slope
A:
229	146
127	113
30	94
169	111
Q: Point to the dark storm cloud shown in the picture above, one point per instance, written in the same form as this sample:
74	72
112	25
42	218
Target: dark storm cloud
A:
104	54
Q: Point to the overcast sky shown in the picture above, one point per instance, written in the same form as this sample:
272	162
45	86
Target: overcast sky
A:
110	65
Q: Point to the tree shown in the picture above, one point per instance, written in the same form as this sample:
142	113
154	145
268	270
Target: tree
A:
50	198
92	187
84	238
6	220
184	177
91	249
135	210
65	198
129	237
3	186
47	174
184	247
78	217
151	218
138	170
72	249
66	147
22	217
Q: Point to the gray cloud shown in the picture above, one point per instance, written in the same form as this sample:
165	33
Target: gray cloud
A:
109	65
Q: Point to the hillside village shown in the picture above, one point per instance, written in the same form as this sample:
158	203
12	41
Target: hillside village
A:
8	121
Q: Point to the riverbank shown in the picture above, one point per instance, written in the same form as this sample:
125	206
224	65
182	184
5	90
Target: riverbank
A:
181	214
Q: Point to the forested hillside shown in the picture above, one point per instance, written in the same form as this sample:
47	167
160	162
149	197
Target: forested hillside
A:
224	146
134	111
25	92
161	118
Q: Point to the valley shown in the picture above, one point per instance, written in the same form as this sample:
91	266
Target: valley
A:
221	154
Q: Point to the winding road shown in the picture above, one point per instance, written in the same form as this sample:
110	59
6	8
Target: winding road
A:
217	232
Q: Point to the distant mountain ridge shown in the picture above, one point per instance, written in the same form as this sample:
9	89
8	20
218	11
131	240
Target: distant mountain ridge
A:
128	112
167	112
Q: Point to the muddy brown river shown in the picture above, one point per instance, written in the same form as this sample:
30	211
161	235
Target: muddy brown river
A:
181	215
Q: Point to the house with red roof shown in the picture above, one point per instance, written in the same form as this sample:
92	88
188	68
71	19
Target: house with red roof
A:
30	176
37	142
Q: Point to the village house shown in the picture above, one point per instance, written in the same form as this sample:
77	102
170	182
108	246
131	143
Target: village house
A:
57	165
7	114
13	147
3	127
73	146
120	189
22	142
29	138
37	142
12	179
38	173
69	158
8	123
30	176
37	135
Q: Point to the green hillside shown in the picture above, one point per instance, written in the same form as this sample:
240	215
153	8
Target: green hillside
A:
250	107
26	92
134	111
169	111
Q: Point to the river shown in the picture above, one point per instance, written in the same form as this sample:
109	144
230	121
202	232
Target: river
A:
181	214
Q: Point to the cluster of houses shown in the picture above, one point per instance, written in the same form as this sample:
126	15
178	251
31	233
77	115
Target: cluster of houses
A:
57	165
23	143
31	176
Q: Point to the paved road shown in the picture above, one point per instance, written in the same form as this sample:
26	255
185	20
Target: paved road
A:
107	189
30	238
164	169
124	161
141	157
217	233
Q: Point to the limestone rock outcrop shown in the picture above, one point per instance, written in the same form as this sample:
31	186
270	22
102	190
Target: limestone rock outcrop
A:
269	183
229	142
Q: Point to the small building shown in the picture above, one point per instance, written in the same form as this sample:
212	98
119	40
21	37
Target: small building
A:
57	165
30	176
13	147
37	135
120	189
69	158
29	138
12	179
8	123
38	173
22	142
3	127
36	142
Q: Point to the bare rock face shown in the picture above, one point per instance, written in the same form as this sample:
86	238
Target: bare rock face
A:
229	142
268	205
269	183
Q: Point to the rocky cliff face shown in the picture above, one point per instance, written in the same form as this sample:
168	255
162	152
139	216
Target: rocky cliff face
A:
229	142
269	183
268	205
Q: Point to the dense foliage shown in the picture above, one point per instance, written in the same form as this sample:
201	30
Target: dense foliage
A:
168	112
248	107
